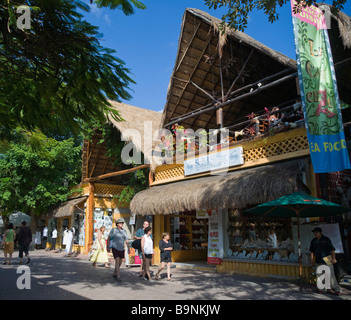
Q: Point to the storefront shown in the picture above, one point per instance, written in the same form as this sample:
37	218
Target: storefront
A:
74	213
207	220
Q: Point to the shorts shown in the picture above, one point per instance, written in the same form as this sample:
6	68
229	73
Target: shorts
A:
118	253
9	247
23	248
148	256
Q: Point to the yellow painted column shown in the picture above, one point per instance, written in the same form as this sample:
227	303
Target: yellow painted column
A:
159	228
89	219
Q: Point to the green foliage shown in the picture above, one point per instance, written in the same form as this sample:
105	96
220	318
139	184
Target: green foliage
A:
138	182
36	172
125	6
57	73
238	10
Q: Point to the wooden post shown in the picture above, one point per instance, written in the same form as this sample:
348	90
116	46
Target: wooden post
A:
159	228
89	219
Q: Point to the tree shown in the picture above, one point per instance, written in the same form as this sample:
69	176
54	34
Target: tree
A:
56	72
239	10
37	172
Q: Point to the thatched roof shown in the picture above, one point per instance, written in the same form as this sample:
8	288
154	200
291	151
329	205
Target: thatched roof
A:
233	190
198	61
95	161
65	209
340	42
343	21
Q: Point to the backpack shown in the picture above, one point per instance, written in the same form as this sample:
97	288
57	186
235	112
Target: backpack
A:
136	244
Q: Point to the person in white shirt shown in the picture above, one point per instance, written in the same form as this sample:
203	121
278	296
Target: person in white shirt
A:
147	248
53	239
45	236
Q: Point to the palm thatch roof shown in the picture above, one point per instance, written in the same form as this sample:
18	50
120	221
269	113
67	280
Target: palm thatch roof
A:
343	21
340	41
65	209
232	190
95	160
203	51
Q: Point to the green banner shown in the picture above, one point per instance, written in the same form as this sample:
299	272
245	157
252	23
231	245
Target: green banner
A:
319	94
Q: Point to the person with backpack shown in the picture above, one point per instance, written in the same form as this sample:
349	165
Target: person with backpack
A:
137	243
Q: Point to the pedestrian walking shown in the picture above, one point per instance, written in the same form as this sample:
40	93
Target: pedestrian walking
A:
24	239
138	235
45	236
323	251
100	254
166	248
147	248
53	239
119	239
8	243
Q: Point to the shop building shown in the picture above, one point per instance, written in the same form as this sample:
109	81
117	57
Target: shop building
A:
103	181
231	81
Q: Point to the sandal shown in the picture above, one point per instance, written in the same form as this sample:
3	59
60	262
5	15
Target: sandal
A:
157	277
170	279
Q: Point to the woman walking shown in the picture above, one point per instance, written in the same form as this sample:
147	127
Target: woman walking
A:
166	247
147	248
100	254
9	243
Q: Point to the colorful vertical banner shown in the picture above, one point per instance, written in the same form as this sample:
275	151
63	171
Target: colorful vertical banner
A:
319	94
215	237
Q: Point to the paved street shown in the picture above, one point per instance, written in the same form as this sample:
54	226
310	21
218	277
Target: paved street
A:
54	276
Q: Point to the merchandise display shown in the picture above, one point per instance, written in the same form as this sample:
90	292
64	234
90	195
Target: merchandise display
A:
188	232
257	238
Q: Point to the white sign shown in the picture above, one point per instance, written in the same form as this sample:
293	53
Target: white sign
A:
201	214
215	238
214	161
330	230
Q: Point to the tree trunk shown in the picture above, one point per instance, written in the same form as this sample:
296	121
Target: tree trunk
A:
6	220
33	222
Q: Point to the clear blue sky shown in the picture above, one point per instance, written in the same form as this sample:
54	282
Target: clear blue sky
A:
148	40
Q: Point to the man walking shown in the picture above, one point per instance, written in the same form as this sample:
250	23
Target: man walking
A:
24	239
323	251
138	235
118	238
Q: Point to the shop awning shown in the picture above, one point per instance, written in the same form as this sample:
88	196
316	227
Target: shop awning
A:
67	208
232	190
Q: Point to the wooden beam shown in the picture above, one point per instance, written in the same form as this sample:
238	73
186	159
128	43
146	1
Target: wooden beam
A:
238	76
189	45
117	173
191	75
204	91
89	219
243	96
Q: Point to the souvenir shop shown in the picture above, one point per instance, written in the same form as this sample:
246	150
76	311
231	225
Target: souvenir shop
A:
220	234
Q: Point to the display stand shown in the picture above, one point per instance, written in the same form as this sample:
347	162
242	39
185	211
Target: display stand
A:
132	259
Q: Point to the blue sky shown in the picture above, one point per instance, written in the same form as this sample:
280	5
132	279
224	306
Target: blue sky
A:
148	40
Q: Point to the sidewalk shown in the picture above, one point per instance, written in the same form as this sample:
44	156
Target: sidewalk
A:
54	276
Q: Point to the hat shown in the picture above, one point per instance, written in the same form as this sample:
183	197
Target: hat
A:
120	220
317	229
